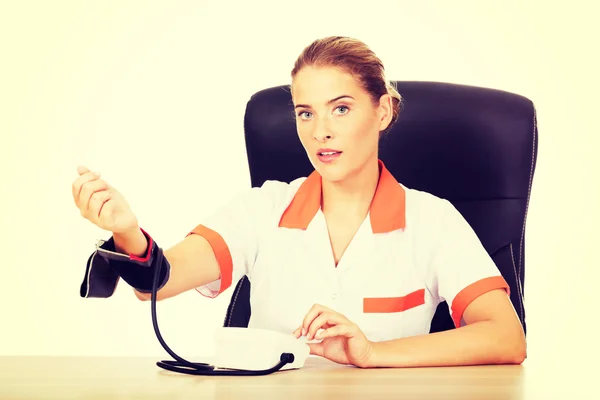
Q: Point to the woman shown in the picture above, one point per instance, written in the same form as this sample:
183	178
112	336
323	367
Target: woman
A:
347	255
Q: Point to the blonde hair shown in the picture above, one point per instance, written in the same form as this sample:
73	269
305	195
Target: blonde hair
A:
356	58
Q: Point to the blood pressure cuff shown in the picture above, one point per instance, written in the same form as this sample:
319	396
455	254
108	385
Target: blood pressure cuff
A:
106	266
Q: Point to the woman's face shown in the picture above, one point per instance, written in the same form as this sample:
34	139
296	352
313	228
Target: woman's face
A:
336	120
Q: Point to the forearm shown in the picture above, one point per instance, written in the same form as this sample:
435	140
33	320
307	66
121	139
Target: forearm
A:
131	242
484	342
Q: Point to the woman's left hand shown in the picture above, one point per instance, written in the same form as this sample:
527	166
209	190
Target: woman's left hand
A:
343	341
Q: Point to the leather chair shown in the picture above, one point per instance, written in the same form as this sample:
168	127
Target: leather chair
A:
476	147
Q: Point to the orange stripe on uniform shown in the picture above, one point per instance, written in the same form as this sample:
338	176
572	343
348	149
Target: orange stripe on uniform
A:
221	251
394	304
471	292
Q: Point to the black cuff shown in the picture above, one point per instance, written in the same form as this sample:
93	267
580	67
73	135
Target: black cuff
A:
100	279
105	266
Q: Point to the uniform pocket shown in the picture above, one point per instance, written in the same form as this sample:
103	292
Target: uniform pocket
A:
393	304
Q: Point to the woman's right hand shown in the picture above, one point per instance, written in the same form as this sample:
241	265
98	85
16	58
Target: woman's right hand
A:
102	204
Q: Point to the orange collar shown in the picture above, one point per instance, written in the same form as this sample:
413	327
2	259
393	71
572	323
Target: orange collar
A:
387	211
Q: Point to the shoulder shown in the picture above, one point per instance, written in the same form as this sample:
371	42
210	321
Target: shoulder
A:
435	221
425	208
270	198
278	191
257	206
429	218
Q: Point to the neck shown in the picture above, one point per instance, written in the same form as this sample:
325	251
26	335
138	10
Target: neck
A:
353	195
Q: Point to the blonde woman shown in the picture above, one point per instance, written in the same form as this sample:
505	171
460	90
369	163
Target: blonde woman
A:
347	257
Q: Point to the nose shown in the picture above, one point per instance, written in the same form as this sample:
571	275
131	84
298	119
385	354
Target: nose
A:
321	132
322	138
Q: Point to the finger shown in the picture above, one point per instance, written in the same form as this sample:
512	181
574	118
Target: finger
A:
311	315
324	321
337	330
82	169
316	349
107	211
298	332
97	202
79	182
87	190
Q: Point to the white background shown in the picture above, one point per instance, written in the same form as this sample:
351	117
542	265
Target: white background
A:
152	95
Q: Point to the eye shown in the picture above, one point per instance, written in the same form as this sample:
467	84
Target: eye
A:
300	114
344	108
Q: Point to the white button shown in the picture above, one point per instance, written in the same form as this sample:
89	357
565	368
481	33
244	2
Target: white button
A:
334	296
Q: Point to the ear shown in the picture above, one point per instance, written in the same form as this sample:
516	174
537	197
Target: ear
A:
385	111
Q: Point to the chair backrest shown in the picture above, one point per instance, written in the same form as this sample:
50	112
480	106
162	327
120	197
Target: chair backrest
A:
476	147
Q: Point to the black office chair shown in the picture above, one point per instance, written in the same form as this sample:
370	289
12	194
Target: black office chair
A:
475	147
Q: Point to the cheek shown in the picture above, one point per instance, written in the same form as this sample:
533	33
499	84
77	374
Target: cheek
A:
304	133
361	130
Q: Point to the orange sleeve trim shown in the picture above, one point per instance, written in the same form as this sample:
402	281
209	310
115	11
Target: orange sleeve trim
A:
222	254
474	290
394	304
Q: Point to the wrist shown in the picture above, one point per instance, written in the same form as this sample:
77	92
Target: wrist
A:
371	361
127	233
131	242
368	360
136	267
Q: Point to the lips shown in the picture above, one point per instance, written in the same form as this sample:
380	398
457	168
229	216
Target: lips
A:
328	156
327	152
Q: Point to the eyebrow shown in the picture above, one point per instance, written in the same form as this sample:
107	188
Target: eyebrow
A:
329	102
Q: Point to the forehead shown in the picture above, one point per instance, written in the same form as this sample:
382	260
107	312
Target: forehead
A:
316	85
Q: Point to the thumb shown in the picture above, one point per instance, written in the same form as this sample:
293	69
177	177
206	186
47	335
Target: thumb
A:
316	348
82	169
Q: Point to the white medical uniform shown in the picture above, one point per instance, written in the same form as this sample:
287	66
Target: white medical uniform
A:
412	251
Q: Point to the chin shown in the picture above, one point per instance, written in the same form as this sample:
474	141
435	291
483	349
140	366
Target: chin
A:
334	172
